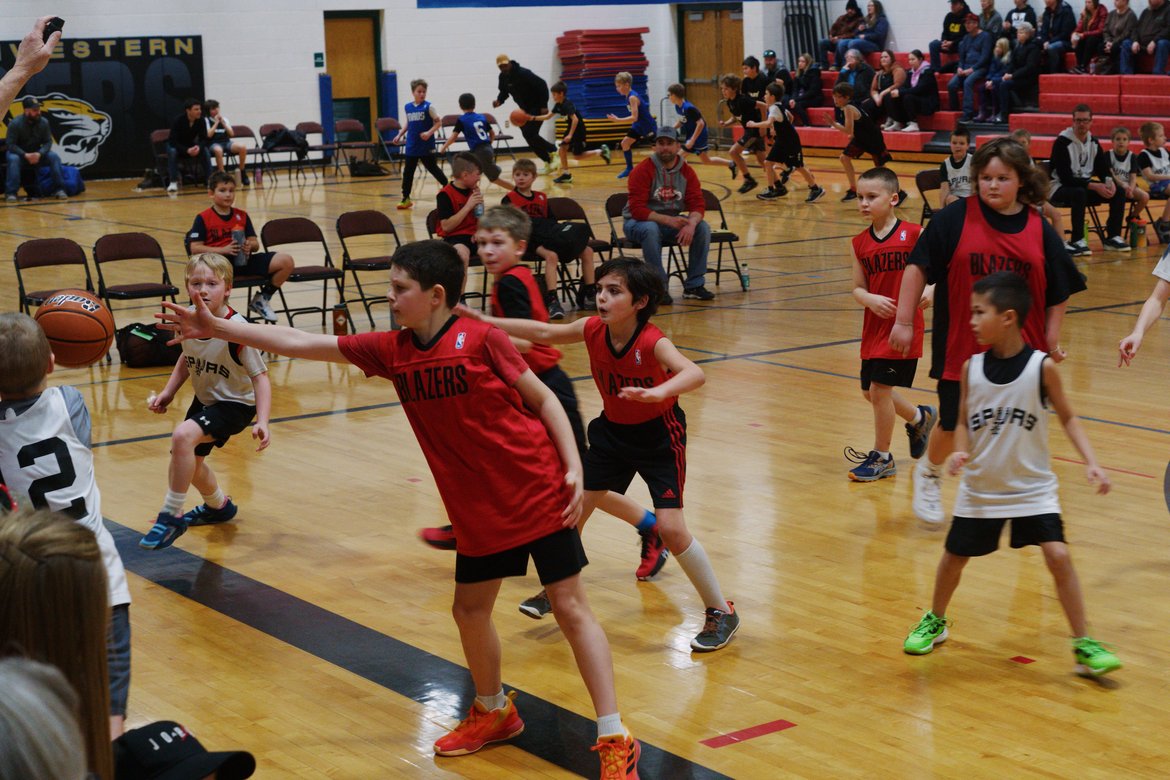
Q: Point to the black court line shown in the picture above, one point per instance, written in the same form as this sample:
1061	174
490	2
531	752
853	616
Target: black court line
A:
551	733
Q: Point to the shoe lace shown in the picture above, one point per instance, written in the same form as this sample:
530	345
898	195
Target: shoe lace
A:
648	544
711	624
1091	647
930	624
613	758
857	456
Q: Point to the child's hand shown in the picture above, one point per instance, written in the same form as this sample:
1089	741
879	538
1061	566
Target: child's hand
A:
1127	349
881	306
927	299
572	513
187	323
1057	354
646	395
158	403
1097	476
476	198
425	135
956	461
466	311
260	433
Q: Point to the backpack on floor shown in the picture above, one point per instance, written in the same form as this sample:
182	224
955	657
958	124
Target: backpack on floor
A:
144	345
74	184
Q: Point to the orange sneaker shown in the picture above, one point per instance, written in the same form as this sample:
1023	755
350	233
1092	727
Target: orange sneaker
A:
619	757
480	728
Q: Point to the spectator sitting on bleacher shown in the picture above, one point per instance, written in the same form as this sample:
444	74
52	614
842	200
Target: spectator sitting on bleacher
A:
1120	25
856	74
952	33
1021	83
777	71
1088	38
989	108
188	139
1021	13
1077	157
1056	28
30	143
1151	36
871	33
844	27
974	60
890	76
806	88
989	19
918	96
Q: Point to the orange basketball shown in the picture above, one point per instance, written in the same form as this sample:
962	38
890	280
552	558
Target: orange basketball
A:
519	118
79	327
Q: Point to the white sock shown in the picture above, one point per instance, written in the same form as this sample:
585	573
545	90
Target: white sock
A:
173	503
697	566
497	702
885	455
917	415
609	725
215	500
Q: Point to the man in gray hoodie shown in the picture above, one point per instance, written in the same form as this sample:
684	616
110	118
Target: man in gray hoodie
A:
1076	158
661	188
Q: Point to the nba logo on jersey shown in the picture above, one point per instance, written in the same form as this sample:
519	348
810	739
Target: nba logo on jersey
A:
902	236
459	340
637	357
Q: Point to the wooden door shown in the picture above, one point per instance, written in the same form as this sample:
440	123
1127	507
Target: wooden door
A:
351	58
712	48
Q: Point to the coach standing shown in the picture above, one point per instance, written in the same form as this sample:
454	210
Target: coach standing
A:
531	94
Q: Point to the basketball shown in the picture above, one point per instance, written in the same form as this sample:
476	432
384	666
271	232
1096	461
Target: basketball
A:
79	327
519	118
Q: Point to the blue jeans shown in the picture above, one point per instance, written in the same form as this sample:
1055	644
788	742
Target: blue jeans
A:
651	237
1161	54
861	44
16	164
173	156
968	82
1055	54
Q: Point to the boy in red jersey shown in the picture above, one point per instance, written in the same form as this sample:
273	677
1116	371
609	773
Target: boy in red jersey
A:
218	229
879	255
481	418
551	239
456	204
997	229
642	429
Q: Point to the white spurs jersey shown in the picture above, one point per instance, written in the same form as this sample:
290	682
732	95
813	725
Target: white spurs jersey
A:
1122	167
1008	474
222	371
46	463
958	177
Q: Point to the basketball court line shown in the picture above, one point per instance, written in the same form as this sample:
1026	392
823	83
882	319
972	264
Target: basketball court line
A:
552	733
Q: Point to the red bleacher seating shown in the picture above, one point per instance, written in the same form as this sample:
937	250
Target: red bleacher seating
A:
829	138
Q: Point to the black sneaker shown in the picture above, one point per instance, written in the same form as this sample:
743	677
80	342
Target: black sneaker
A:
699	293
244	180
718	629
205	515
564	178
666	300
734	170
849	195
555	310
815	194
748	185
919	434
536	607
768	194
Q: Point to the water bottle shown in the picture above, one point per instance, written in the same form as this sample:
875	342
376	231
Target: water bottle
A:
747	279
340	319
478	210
241	240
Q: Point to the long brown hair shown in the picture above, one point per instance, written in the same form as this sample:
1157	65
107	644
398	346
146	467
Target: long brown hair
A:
53	608
1033	181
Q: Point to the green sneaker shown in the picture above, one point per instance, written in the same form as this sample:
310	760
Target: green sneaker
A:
930	631
1093	659
606	154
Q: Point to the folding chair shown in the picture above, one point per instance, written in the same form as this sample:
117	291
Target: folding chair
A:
144	263
327	150
927	181
299	230
357	141
502	141
569	210
722	237
432	231
47	253
354	224
614	205
387	128
190	168
247	134
293	152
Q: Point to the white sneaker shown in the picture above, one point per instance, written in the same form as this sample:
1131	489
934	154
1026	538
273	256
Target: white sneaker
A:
927	501
173	187
894	127
262	306
911	127
63	195
889	123
1081	247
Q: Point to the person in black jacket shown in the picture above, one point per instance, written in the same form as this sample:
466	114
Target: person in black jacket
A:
531	95
1081	177
1055	35
806	88
776	71
188	138
856	74
1021	83
952	32
1022	12
918	96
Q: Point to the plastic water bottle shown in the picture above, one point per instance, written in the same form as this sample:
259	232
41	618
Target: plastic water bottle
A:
747	279
478	210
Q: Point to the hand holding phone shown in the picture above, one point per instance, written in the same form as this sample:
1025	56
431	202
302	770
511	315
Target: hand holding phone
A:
52	26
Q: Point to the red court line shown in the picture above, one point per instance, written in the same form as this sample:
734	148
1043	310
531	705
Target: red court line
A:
723	740
1108	468
1022	659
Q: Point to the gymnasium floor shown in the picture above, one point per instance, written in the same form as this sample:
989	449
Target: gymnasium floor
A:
314	630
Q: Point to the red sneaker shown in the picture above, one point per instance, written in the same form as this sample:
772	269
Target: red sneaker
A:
441	538
480	728
619	757
654	555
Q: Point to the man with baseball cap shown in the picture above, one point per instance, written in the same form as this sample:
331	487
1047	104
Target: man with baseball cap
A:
531	95
30	144
661	188
774	70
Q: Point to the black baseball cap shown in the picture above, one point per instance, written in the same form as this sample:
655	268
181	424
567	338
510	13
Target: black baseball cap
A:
769	52
30	102
666	131
164	750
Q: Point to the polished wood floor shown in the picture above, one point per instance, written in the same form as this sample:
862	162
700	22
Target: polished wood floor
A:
828	575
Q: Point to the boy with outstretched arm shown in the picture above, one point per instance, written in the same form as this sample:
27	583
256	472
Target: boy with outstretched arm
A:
482	418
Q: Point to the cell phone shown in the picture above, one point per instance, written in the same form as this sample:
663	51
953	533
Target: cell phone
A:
52	26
